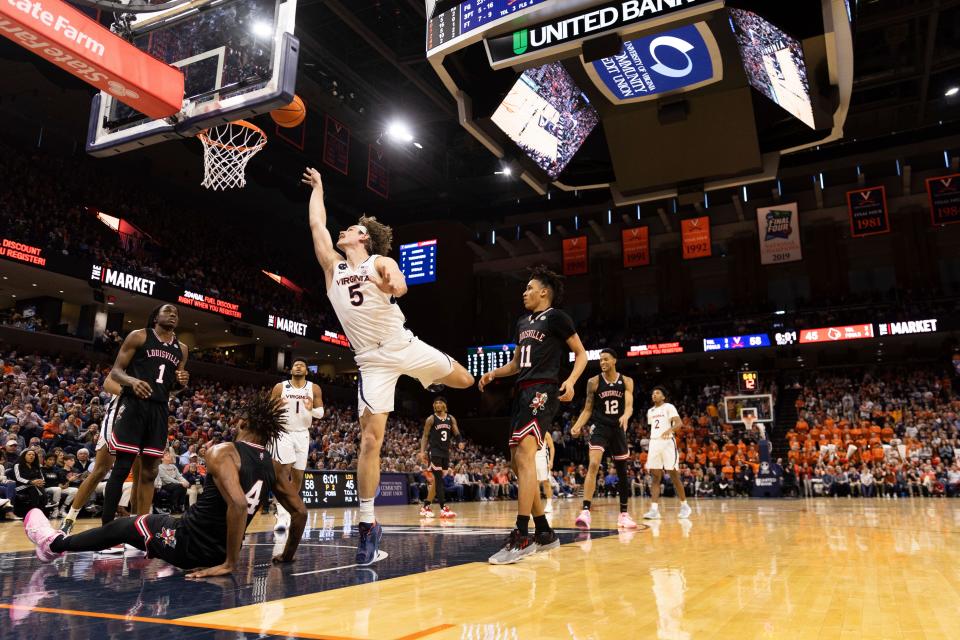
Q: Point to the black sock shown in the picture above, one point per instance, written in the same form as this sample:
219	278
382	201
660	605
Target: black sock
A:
523	525
441	497
116	532
586	505
623	484
426	503
114	488
541	524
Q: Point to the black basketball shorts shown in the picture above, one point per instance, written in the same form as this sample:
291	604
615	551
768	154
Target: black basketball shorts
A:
611	439
164	538
535	406
136	426
439	461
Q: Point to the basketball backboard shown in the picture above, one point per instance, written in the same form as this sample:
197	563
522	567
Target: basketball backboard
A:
759	406
238	57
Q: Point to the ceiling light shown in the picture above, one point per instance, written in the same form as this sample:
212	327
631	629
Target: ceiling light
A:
61	290
952	91
261	29
400	131
34	284
418	145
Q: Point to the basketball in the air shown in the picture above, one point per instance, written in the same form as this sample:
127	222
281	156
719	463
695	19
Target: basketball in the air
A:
291	115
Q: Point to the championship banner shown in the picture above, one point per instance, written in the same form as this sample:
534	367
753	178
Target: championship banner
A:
378	173
575	256
868	212
695	234
336	145
944	195
62	35
636	247
779	228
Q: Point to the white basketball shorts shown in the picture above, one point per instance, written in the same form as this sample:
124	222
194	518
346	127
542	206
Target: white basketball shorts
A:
663	454
380	369
543	461
292	448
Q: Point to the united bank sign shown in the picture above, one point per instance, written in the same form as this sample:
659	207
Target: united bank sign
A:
524	43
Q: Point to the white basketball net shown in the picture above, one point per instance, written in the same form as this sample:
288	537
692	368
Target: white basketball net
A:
226	150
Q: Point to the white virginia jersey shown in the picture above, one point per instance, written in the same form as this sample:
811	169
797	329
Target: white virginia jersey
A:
659	419
368	316
298	416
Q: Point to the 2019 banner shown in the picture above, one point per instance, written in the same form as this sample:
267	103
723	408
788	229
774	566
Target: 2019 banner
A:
779	228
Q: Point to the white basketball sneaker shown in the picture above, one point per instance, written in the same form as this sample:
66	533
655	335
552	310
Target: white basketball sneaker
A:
685	511
652	514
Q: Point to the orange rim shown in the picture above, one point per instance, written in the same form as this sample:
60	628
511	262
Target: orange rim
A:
232	147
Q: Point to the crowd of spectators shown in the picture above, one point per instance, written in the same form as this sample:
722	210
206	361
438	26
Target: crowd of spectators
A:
59	215
889	433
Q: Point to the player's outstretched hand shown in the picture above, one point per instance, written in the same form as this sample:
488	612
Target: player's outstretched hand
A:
485	379
311	178
183	377
566	391
220	570
142	389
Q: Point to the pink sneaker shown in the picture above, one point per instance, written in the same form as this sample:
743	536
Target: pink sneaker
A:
38	529
626	522
583	520
447	513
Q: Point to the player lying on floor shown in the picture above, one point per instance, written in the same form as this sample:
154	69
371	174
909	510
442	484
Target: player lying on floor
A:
208	537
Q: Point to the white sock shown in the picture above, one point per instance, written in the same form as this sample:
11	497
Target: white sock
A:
684	503
654	506
281	512
74	513
366	510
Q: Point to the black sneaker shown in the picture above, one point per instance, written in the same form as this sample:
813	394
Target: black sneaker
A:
546	540
516	547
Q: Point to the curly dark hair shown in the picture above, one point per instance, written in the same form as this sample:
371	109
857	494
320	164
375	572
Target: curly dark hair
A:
381	236
265	416
549	279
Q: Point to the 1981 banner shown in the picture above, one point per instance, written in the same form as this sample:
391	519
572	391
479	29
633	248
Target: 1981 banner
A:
944	195
868	212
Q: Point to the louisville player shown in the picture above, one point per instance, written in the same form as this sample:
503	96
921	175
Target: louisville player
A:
664	455
303	401
208	537
150	364
544	337
363	285
439	430
608	409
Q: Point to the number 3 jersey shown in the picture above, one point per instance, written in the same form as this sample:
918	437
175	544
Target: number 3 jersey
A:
369	316
542	344
206	521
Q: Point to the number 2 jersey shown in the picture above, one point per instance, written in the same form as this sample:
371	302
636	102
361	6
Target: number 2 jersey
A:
205	523
369	316
542	345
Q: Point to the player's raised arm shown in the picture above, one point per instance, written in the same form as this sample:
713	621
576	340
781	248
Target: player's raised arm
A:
584	416
128	349
391	278
579	365
322	242
223	462
512	368
627	402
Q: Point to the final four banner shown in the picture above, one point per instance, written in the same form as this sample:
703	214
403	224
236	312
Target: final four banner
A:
636	247
868	212
944	195
575	261
779	228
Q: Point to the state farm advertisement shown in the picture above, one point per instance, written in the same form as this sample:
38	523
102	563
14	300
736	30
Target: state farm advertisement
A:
60	34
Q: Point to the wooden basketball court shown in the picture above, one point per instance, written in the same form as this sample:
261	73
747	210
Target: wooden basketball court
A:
828	568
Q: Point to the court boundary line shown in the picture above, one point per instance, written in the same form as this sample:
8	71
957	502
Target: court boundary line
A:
184	623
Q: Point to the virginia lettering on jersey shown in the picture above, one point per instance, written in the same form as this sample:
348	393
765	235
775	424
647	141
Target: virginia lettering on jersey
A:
353	279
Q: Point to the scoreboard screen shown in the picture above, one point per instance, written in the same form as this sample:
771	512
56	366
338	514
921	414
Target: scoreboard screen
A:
483	359
450	22
418	262
749	382
329	489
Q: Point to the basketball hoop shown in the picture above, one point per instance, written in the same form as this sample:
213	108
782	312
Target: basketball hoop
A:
226	150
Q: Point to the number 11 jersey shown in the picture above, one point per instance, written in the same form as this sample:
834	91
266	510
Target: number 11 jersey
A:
542	345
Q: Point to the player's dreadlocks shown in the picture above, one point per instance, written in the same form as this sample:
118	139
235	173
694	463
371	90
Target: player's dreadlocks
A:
265	416
550	280
381	236
152	318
